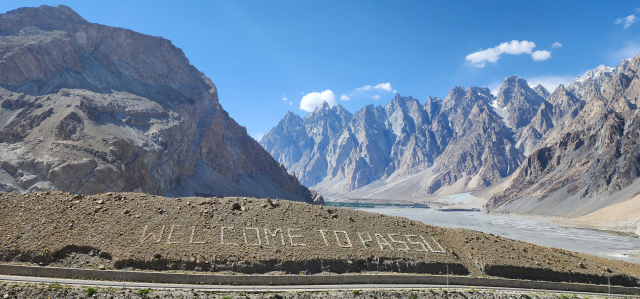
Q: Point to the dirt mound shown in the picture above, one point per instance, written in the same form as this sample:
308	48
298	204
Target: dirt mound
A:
249	235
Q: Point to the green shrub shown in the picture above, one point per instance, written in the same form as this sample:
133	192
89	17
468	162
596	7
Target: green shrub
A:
91	291
157	256
356	292
144	292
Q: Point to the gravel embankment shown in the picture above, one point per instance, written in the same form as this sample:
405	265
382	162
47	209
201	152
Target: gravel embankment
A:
248	235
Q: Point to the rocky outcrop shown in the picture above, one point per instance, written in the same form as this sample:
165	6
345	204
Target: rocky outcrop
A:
87	108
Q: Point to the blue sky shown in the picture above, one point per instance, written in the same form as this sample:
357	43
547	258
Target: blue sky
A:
257	52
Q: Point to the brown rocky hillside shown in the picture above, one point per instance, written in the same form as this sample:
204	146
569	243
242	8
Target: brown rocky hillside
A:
87	108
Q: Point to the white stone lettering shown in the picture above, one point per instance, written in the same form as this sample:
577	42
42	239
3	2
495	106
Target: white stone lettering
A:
406	247
424	248
434	240
384	242
222	236
364	242
324	237
335	232
145	236
267	232
173	227
193	234
294	236
244	233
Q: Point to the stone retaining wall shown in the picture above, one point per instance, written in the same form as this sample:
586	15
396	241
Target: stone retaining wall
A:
211	279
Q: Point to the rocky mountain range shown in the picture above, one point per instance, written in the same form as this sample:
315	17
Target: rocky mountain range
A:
440	147
570	152
87	108
590	159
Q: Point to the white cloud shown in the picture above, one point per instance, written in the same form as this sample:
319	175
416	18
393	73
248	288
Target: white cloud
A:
290	103
394	91
480	58
383	86
376	97
314	99
549	82
556	45
345	98
366	87
284	98
628	21
541	55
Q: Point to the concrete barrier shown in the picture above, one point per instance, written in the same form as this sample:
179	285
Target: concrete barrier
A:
215	279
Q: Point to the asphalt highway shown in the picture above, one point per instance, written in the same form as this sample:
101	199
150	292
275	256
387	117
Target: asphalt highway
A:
261	288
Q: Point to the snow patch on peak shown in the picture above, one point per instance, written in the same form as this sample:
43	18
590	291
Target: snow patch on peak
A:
502	112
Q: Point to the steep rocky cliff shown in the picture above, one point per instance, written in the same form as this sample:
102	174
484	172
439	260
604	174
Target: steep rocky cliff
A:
87	108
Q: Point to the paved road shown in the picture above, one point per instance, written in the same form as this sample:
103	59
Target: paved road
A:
226	288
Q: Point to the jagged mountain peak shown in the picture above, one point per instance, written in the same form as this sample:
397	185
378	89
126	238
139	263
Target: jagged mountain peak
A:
542	92
518	100
516	87
595	78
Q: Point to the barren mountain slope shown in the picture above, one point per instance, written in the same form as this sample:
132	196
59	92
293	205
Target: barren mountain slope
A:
87	108
585	162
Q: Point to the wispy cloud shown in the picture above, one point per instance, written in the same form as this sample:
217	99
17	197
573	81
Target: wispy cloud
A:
345	97
480	58
384	86
376	97
556	45
314	99
541	55
284	98
628	20
366	87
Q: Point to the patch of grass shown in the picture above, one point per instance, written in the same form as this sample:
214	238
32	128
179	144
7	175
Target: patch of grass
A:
356	292
91	291
413	296
144	292
374	296
563	296
56	285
